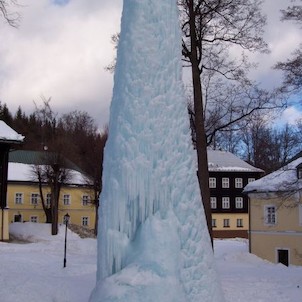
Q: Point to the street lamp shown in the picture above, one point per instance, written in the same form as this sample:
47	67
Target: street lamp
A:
66	220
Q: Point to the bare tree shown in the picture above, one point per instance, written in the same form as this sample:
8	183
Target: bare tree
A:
292	67
51	173
12	18
88	144
269	148
210	28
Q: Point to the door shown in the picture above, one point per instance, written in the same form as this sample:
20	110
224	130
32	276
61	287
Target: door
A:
18	218
283	257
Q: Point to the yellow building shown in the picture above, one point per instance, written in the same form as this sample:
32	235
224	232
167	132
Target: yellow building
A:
8	138
24	198
276	215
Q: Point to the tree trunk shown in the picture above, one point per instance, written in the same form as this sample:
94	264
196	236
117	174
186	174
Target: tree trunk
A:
201	145
55	202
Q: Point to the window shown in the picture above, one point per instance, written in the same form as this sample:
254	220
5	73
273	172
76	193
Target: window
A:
18	198
66	199
212	182
85	200
250	180
270	215
214	223
239	202
48	199
225	202
213	202
226	223
238	183
225	182
34	198
239	223
17	218
85	221
34	219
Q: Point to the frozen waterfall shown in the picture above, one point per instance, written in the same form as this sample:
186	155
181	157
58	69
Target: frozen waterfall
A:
153	242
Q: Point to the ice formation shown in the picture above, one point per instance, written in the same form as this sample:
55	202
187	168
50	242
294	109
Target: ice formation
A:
153	242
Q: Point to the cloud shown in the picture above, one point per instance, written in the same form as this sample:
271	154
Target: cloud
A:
290	115
62	46
60	52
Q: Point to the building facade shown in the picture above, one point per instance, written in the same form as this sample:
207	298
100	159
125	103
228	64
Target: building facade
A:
276	215
8	139
228	175
24	197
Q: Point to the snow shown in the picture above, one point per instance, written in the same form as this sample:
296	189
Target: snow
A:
151	200
219	160
8	134
24	172
33	272
284	179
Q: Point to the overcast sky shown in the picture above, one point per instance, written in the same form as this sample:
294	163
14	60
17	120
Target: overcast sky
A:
62	46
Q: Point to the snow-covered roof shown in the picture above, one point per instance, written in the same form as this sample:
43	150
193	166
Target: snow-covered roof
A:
283	180
225	161
25	172
9	135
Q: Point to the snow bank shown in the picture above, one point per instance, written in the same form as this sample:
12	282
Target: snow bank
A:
34	272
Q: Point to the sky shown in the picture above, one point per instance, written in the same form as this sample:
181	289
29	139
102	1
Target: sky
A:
61	48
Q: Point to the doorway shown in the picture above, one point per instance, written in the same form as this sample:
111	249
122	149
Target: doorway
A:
283	257
18	218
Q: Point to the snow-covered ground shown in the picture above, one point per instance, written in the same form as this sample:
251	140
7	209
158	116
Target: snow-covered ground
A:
33	272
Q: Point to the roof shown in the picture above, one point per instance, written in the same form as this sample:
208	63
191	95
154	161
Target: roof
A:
283	180
9	135
39	158
227	162
25	173
22	162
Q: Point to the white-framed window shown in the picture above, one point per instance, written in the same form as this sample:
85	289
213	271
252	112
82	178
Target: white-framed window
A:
270	215
66	199
48	199
34	198
214	223
85	200
250	179
238	183
239	202
18	198
85	221
213	202
225	202
239	223
34	219
226	223
300	214
225	182
212	182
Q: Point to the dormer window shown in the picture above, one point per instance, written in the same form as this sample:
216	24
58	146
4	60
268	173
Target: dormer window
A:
299	171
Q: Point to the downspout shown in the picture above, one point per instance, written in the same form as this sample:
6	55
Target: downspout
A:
249	233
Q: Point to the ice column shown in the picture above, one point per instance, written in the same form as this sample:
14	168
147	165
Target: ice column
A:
150	190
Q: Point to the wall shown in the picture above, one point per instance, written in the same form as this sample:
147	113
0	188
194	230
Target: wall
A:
286	234
232	231
76	209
